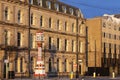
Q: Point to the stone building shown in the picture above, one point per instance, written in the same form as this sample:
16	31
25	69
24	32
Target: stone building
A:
104	45
64	37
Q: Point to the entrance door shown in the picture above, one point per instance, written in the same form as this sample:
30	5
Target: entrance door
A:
79	69
4	71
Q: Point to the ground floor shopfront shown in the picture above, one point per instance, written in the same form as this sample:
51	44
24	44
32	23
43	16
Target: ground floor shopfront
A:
15	63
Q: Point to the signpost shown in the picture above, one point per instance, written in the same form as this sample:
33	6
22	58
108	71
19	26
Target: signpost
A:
40	67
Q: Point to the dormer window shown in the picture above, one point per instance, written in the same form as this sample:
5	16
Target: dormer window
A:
48	3
64	9
30	1
40	2
71	11
56	6
78	13
22	0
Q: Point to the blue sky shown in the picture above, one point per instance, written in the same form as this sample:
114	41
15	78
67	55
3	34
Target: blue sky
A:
94	8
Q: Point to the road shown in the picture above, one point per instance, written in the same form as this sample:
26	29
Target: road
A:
81	78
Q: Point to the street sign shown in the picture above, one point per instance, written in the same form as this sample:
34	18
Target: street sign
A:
39	37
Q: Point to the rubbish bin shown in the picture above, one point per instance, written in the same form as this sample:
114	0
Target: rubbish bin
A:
11	74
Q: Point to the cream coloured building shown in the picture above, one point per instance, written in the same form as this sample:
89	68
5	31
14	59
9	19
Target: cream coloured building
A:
104	44
64	37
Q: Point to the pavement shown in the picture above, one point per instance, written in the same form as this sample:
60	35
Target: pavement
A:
66	78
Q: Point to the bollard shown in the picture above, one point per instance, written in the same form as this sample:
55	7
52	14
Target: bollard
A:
94	74
113	74
71	75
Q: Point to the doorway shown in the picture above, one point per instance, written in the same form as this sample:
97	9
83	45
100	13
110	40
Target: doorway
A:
80	69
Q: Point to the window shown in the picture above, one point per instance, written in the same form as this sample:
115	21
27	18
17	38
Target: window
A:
115	37
65	65
50	64
31	1
81	47
104	25
71	11
58	24
48	3
104	53
7	37
32	41
64	9
72	66
19	16
40	2
65	44
22	0
56	6
6	13
65	26
58	43
31	19
109	36
73	28
72	45
18	39
78	13
49	22
110	48
50	42
58	65
41	21
104	34
21	64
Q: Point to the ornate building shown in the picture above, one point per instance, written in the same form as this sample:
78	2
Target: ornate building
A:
104	44
64	37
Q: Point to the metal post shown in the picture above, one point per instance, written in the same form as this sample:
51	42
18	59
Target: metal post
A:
29	58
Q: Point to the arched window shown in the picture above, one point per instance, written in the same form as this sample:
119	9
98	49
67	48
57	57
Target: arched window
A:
58	65
19	16
72	66
50	65
21	64
65	65
6	13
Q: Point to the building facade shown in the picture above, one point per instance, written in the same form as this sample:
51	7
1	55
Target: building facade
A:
64	37
104	44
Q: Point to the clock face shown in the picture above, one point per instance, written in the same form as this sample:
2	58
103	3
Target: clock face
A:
39	37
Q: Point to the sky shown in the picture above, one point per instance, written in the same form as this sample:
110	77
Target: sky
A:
95	8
